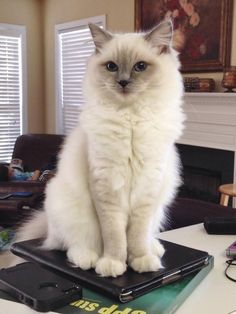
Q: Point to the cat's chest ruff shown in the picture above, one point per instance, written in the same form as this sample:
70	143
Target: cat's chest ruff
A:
123	134
139	134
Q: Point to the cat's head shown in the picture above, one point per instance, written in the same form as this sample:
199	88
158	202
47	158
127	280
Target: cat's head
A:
126	67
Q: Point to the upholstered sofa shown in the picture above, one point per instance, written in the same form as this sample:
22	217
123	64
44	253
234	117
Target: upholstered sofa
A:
36	150
186	211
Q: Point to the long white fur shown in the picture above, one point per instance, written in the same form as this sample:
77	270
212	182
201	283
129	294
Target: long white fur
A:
118	169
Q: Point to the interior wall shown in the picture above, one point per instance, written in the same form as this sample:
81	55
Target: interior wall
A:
40	18
120	17
28	13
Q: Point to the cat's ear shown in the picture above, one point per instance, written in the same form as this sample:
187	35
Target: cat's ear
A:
161	36
100	36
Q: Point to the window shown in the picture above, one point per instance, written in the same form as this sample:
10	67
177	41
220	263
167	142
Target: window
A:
73	47
12	87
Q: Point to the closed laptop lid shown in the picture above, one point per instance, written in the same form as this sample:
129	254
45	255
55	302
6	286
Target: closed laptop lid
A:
177	262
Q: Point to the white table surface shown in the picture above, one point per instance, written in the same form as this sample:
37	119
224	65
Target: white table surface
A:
214	295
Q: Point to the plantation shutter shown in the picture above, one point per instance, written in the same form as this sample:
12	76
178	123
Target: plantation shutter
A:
75	45
10	94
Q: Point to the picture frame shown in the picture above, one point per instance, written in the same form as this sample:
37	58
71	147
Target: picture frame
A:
203	29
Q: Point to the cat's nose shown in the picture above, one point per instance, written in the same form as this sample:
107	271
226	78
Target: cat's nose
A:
123	83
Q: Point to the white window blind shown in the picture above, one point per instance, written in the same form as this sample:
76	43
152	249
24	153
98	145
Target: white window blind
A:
11	89
74	46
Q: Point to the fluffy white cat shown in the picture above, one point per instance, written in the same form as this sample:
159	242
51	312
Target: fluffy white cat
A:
118	169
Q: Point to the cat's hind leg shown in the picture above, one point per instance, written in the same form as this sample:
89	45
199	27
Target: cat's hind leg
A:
83	254
73	225
85	246
82	241
84	259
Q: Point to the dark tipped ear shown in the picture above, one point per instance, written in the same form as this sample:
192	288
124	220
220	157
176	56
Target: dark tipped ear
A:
161	36
100	36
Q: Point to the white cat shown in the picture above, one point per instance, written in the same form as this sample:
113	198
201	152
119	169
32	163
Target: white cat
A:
118	169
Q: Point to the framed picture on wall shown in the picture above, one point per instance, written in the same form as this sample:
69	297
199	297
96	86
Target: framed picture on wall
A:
203	29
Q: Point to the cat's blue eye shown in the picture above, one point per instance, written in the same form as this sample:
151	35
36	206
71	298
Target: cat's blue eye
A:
140	66
111	66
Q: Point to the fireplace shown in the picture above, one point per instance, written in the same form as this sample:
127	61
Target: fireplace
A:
204	170
208	144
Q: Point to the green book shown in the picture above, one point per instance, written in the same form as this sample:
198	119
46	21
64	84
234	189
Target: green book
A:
163	300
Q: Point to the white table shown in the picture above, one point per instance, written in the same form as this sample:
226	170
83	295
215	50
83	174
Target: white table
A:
215	294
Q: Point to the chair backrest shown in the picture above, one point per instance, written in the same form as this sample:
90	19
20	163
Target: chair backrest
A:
37	150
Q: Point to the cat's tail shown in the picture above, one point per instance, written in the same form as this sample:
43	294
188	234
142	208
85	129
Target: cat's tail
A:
34	227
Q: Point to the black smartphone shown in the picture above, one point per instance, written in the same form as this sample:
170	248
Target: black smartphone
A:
38	287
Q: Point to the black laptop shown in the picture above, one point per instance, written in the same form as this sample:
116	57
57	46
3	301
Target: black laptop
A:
178	261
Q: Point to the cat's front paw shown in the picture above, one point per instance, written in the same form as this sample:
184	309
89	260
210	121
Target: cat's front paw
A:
146	263
107	266
157	248
84	259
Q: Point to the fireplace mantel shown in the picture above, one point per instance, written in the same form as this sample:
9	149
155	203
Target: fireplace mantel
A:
210	121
